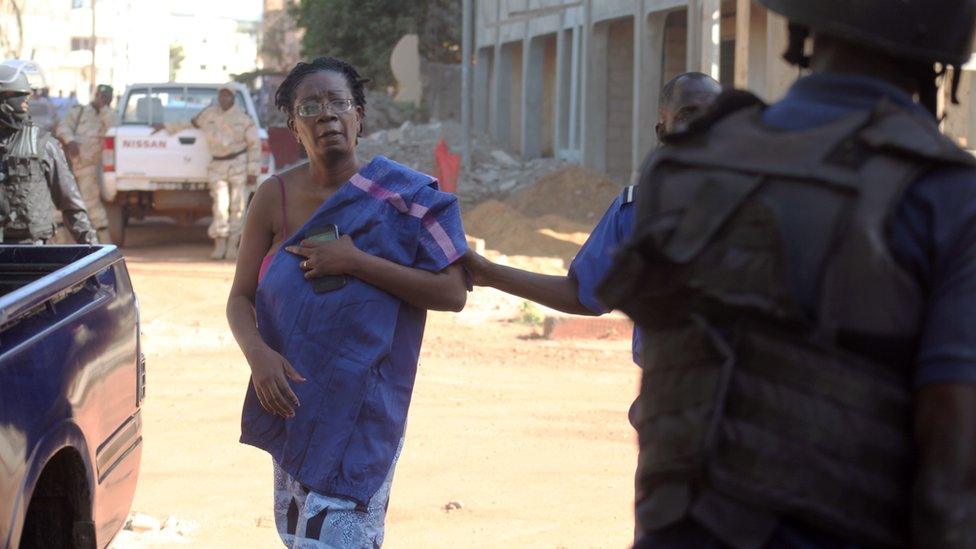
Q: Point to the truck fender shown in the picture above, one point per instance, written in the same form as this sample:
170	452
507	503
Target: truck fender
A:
65	434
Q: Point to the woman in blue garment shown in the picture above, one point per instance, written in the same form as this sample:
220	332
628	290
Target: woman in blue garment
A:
332	371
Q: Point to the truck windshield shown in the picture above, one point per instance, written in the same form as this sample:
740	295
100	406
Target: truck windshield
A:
168	104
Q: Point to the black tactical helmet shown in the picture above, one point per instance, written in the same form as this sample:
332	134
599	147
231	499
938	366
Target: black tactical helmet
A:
928	31
12	79
13	85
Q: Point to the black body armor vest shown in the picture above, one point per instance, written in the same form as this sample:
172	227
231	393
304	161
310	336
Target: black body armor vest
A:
26	196
780	331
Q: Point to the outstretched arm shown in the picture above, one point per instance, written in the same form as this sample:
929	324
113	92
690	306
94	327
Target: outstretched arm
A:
556	292
442	291
944	506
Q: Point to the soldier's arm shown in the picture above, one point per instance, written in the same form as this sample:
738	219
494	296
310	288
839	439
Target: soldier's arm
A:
110	118
944	511
66	195
195	122
935	237
253	148
66	128
556	292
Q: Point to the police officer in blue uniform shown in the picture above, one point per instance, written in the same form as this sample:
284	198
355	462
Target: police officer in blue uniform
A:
804	276
684	97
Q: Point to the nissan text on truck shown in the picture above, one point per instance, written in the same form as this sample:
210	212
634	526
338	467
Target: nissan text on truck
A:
158	174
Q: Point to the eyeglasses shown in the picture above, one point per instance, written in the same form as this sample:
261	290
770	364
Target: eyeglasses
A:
314	108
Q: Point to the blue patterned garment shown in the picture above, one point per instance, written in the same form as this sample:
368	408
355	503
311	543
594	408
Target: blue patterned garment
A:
357	346
309	520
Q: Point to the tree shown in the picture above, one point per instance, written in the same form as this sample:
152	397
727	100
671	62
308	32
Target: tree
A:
364	32
439	30
9	50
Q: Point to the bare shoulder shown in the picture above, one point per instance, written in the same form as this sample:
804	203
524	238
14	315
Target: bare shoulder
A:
295	173
267	199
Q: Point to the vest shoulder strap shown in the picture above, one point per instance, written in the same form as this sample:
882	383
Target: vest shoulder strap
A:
911	135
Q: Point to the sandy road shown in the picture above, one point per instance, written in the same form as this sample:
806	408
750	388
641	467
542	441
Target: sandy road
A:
530	436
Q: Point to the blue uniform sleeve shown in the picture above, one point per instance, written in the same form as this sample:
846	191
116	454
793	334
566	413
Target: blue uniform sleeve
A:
441	237
594	259
935	237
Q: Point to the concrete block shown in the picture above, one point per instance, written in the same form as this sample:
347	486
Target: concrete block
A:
612	326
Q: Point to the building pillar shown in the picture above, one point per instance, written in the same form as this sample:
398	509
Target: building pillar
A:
779	74
497	89
640	112
533	65
595	75
711	37
560	118
466	59
651	82
743	24
575	93
694	37
480	90
586	78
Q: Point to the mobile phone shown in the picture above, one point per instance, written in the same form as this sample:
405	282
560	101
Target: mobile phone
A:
325	233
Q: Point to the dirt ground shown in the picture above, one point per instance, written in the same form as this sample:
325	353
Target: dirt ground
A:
529	436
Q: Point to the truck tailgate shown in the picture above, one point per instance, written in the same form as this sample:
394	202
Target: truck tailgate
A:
160	157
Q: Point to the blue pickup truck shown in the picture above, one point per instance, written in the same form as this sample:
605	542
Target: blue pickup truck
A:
72	380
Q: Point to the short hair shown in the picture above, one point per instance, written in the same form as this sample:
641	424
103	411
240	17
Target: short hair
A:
285	96
667	92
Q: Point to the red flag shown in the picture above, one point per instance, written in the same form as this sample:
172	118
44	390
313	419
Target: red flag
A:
447	166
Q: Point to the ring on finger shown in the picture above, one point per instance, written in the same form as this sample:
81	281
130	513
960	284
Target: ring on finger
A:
304	265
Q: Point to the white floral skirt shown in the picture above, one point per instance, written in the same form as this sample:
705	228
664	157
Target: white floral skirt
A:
309	520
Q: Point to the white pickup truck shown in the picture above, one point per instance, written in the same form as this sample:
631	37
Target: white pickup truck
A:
147	174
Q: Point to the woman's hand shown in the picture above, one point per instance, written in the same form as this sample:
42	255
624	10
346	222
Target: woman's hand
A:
270	373
335	257
478	267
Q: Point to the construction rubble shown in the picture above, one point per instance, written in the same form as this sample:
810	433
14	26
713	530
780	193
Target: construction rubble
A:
494	173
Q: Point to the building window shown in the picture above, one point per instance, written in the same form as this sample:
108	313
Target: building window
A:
81	43
75	4
85	43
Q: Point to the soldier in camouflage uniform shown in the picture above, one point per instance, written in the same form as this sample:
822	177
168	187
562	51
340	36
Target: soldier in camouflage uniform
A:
82	132
34	174
232	137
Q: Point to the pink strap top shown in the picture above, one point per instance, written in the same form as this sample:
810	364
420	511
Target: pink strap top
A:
284	225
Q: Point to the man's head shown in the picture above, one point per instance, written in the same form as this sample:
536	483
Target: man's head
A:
684	98
15	91
225	97
103	96
896	41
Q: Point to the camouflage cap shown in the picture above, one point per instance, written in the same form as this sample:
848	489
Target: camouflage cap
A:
104	88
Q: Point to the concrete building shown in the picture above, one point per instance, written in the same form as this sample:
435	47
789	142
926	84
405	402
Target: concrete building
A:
580	79
133	42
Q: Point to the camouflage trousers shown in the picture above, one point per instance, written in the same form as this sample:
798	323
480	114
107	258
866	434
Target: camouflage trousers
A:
227	189
91	192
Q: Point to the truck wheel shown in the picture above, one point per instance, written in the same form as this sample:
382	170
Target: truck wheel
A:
118	220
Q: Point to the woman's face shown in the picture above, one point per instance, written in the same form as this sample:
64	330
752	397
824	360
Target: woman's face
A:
330	133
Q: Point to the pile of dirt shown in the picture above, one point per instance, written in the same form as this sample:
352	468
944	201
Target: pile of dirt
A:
510	232
575	193
551	218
